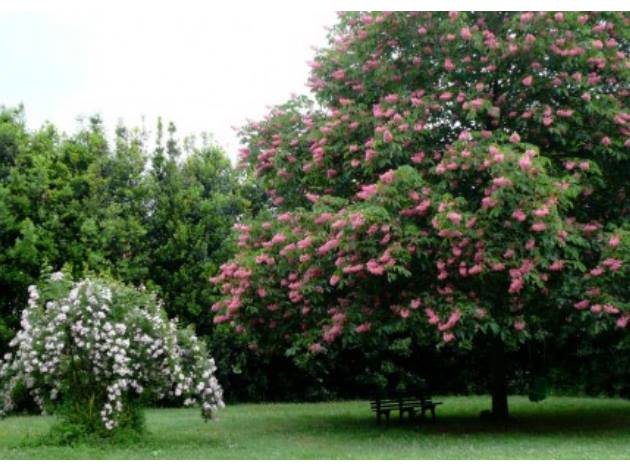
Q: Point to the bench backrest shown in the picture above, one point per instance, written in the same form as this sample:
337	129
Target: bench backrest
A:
424	395
398	402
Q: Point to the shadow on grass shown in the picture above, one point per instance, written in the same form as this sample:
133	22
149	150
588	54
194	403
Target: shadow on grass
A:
589	420
558	418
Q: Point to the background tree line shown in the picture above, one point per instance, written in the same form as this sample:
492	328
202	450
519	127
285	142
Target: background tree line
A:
156	214
154	210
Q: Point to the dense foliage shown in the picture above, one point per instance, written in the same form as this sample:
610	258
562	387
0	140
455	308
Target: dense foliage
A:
463	180
94	351
147	214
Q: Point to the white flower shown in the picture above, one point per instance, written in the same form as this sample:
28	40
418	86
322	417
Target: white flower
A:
105	348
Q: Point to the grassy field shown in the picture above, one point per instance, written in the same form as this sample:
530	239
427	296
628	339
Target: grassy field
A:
558	428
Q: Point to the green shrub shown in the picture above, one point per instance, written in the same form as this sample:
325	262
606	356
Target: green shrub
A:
95	351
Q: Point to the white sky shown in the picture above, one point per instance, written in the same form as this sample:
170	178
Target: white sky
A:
204	68
206	65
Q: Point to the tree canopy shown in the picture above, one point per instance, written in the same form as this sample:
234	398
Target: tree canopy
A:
459	176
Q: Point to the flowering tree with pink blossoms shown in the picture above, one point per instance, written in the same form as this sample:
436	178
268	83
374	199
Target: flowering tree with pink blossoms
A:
461	176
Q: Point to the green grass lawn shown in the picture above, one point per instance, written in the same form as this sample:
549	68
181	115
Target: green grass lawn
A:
567	428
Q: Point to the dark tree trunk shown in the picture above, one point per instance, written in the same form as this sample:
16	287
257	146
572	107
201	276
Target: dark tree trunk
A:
499	380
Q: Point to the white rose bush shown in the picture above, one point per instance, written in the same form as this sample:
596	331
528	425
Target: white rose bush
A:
95	351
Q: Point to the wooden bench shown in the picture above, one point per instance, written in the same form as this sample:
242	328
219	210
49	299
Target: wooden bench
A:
409	405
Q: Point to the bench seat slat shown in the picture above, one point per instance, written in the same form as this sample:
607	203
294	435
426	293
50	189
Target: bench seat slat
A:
404	403
406	398
407	404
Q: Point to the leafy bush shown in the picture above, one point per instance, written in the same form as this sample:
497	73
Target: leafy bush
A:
95	351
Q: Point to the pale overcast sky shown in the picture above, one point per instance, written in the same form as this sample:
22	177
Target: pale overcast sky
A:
206	65
205	68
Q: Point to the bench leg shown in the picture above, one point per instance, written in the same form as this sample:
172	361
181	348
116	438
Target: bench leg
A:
411	414
433	414
387	416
